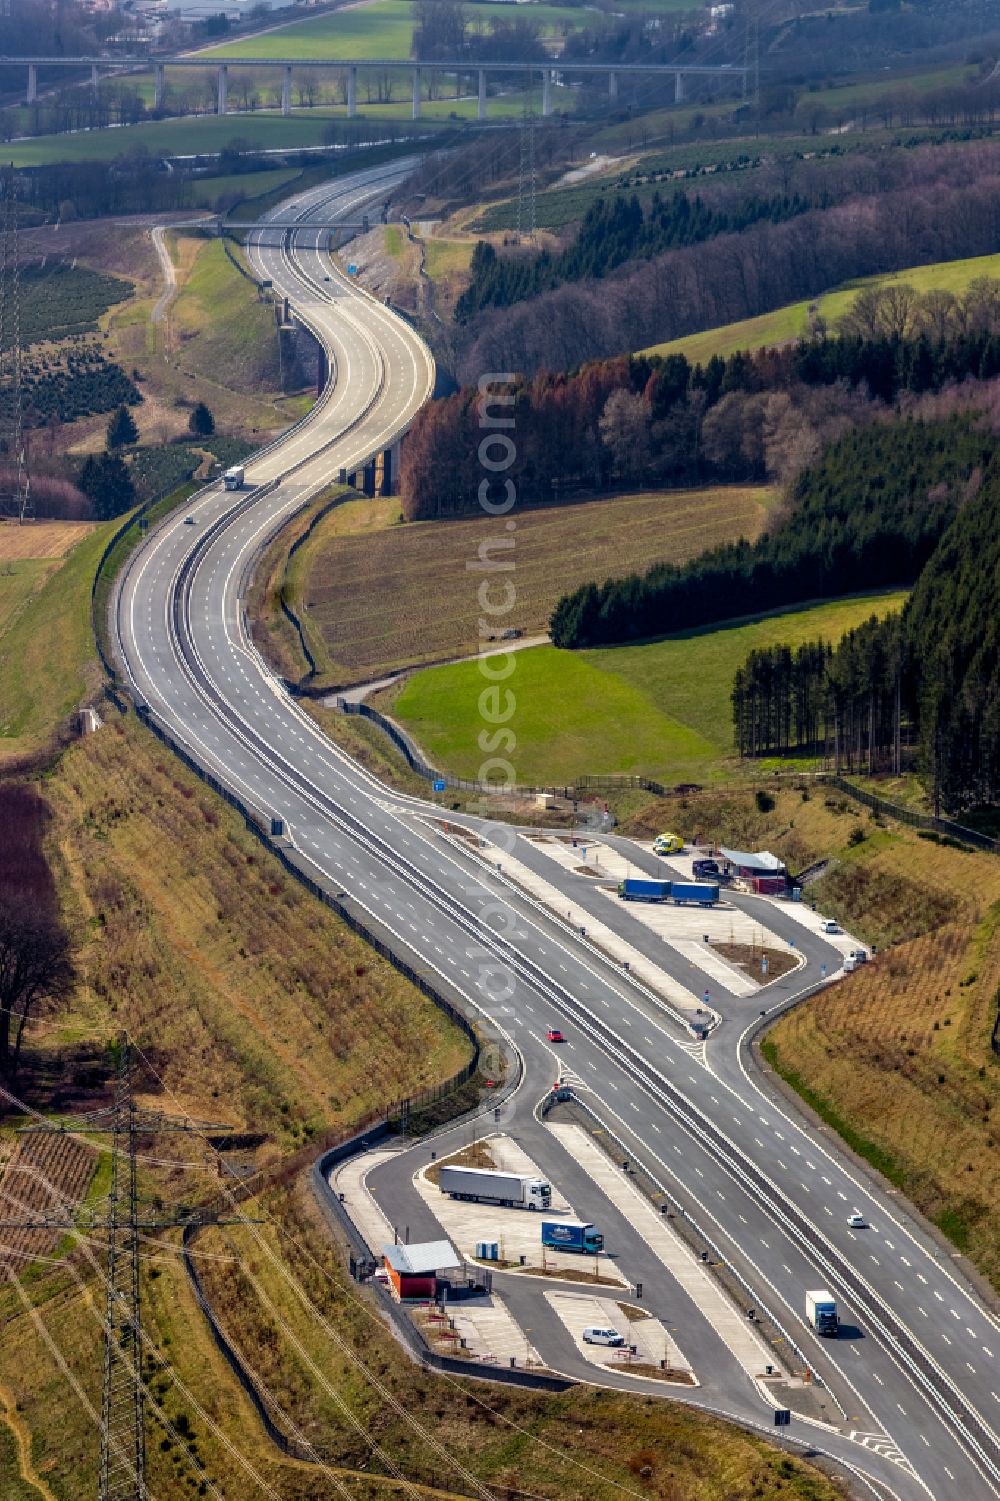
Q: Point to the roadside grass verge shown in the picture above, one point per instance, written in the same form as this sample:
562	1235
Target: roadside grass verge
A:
895	1058
228	335
261	1001
391	595
257	1006
47	662
129	539
282	576
581	1442
874	1155
20	580
661	710
793	321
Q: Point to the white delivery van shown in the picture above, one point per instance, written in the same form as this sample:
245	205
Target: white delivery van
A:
594	1334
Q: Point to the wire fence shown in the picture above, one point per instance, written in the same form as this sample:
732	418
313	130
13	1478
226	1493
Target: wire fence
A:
911	816
625	783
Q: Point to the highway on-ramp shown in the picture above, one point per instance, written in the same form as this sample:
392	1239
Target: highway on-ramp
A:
916	1372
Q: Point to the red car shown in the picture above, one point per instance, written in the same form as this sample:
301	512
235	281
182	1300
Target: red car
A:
555	1035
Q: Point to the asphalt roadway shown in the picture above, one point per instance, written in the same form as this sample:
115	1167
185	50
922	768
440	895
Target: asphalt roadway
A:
918	1354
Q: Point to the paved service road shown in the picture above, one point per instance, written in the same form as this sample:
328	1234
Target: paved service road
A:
919	1356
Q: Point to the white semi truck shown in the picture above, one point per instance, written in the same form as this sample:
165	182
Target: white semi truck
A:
821	1311
234	477
489	1186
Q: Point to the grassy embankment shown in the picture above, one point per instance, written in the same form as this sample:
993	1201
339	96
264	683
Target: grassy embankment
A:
794	320
375	597
259	1008
217	343
47	666
896	1057
445	260
661	710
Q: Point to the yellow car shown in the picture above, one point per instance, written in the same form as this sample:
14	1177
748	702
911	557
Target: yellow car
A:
668	844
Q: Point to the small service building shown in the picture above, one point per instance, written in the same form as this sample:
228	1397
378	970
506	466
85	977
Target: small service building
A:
762	872
413	1269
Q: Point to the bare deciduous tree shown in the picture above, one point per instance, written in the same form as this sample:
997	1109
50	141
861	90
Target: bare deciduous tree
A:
624	428
35	966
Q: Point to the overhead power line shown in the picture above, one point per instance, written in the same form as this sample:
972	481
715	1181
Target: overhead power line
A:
15	484
122	1468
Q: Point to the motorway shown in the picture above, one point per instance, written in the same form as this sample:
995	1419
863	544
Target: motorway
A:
916	1369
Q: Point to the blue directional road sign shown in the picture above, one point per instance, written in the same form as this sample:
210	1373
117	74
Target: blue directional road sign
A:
439	786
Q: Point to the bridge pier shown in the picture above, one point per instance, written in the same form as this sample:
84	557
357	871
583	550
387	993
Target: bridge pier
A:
368	479
416	93
678	88
158	86
286	92
390	470
547	91
220	105
352	93
32	83
612	85
481	107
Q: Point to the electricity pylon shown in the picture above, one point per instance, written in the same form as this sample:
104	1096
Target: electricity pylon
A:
15	483
527	177
122	1469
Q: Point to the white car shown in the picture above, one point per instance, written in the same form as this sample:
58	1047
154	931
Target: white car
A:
594	1334
857	1221
830	925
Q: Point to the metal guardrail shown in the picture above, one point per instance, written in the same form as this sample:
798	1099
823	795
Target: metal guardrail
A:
134	518
613	783
425	1097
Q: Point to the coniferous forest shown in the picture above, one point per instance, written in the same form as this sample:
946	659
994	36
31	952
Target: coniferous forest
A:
929	675
614	231
867	516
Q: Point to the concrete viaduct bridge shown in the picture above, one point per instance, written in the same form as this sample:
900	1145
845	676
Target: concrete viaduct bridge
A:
352	66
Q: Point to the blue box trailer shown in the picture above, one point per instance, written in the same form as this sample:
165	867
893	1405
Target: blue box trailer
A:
571	1235
637	890
704	893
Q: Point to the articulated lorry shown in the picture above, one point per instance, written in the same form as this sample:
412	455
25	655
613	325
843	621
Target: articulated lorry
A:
234	477
821	1312
489	1186
705	893
637	890
571	1235
634	889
